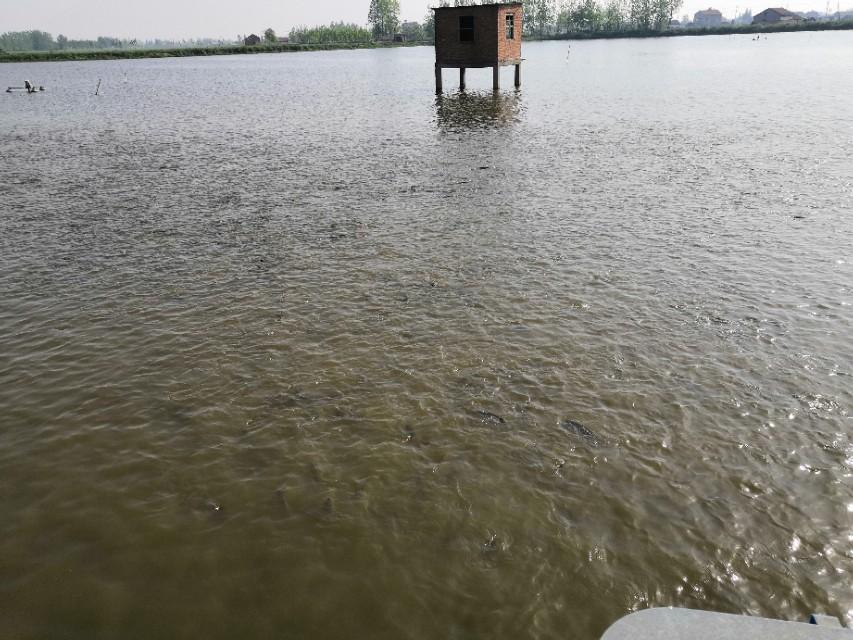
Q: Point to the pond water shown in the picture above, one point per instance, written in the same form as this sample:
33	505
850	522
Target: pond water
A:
290	347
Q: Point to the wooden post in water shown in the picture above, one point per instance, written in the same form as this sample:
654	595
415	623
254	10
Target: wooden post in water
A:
462	78
438	87
518	75
496	78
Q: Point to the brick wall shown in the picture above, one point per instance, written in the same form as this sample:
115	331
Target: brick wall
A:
509	49
450	50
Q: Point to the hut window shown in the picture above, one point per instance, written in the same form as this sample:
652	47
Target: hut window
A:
510	27
466	28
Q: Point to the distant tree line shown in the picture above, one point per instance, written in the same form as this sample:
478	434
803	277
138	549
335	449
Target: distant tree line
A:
562	18
43	41
554	17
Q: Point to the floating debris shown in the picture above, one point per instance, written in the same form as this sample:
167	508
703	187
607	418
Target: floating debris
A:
29	87
491	544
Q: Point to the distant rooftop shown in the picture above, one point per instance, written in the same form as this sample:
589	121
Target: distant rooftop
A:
781	11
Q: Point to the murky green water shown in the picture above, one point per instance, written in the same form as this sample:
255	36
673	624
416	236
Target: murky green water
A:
291	349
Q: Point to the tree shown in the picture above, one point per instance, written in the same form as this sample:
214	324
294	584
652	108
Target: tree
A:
538	15
564	15
61	41
269	36
614	15
413	31
384	16
587	16
641	13
544	15
429	27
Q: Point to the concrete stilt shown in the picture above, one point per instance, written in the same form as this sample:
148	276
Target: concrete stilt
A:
496	77
517	75
438	86
462	79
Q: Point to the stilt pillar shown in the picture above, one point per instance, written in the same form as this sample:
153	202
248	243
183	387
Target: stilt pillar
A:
496	77
517	75
462	79
438	86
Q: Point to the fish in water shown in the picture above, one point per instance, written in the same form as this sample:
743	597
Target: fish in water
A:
576	428
488	416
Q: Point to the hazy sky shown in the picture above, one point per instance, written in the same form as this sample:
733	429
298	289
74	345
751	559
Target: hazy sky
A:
227	18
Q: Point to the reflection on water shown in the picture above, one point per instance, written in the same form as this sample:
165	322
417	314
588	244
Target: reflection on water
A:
478	110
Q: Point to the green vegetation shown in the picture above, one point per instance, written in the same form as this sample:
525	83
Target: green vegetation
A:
126	54
383	16
27	41
335	33
42	41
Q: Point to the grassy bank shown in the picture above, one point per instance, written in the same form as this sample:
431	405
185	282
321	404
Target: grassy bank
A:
723	30
129	54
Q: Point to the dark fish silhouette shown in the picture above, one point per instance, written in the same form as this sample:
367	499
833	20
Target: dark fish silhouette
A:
577	429
488	416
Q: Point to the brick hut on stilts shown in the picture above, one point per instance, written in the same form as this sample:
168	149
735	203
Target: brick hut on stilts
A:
480	36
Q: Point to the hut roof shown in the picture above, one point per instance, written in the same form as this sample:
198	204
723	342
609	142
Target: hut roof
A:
492	4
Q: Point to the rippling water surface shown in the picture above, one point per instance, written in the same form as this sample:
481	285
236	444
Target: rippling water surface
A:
291	348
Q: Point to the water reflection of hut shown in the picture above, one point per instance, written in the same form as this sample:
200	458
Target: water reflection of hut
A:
467	111
479	36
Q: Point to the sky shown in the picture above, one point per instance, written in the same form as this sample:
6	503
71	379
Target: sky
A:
182	19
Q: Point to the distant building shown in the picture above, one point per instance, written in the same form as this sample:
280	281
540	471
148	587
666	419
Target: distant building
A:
284	40
252	41
707	18
675	24
776	15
